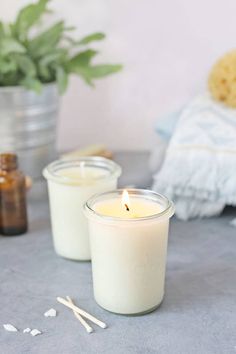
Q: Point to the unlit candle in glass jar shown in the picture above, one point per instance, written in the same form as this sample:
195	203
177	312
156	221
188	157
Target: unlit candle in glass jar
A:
70	184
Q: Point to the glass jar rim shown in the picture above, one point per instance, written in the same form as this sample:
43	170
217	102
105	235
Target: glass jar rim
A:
167	212
50	171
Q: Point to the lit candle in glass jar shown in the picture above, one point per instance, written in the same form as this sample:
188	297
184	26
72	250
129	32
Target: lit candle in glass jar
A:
128	239
70	184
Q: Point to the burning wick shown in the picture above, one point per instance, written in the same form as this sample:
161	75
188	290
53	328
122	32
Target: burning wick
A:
127	208
125	200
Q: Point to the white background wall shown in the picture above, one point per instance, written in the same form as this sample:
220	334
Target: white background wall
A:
167	48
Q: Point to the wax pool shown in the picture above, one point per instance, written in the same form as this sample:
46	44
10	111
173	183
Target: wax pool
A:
129	250
70	184
137	208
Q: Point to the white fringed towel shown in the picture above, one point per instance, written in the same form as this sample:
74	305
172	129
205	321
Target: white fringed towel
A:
199	170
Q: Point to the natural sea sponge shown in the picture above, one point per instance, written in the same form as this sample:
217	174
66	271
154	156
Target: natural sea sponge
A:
222	79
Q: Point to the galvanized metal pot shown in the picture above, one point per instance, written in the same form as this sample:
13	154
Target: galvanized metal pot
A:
28	126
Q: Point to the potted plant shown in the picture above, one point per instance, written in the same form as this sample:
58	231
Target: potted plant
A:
34	71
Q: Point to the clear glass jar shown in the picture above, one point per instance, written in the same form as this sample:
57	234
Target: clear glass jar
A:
129	253
70	184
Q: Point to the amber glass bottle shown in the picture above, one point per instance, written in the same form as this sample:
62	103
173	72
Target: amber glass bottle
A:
13	213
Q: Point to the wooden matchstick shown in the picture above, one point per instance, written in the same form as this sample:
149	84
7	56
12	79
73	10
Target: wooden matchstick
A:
82	321
82	312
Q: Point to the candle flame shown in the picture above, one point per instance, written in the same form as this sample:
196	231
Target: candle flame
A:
126	200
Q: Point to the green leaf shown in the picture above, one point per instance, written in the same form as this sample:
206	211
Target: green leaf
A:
46	41
11	78
98	71
81	59
45	74
49	61
31	84
62	79
10	45
57	55
26	65
92	37
28	16
84	74
7	65
94	72
46	57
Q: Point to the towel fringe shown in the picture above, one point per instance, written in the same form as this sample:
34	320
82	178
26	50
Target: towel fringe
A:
200	184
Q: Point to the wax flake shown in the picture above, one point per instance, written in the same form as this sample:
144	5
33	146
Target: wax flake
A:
27	330
10	328
35	332
51	313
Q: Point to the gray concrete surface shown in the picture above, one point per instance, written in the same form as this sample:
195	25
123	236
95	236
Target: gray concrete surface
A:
197	316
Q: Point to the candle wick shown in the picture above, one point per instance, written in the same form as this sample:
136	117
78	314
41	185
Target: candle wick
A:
127	208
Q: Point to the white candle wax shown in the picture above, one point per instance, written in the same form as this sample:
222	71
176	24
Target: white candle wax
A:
129	250
70	184
138	207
